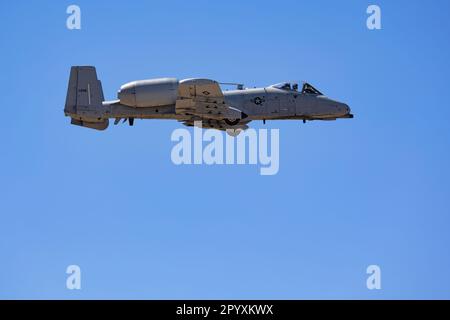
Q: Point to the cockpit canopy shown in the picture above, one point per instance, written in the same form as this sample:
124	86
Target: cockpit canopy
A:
285	86
307	88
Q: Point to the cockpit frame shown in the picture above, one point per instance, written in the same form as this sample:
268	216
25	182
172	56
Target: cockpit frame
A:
306	88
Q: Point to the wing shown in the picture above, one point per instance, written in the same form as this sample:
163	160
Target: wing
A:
203	98
232	130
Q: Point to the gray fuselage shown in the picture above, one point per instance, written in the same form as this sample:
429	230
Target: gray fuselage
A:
258	104
192	101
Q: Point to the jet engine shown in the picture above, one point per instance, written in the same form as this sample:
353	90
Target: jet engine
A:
149	93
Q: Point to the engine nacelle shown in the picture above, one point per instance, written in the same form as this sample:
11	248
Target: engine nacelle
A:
149	93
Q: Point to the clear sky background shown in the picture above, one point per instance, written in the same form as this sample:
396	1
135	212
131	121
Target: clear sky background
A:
349	193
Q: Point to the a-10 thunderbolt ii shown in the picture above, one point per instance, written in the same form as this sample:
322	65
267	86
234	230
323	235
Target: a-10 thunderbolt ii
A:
192	100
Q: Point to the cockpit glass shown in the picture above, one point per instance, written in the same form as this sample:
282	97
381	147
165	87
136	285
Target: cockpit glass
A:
285	86
309	89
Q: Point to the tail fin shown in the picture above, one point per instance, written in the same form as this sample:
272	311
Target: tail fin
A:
84	98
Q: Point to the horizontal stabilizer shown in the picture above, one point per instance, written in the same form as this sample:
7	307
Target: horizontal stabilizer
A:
101	125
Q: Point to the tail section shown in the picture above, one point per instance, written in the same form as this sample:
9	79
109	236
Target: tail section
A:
84	99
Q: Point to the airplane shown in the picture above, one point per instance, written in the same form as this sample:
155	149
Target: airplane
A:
193	100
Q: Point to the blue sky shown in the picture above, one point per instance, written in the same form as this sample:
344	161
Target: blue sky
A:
349	193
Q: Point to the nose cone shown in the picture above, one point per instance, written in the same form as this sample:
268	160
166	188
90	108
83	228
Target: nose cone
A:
332	109
342	110
342	107
347	110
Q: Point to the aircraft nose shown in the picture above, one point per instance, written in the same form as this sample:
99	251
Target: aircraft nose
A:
342	108
346	108
336	108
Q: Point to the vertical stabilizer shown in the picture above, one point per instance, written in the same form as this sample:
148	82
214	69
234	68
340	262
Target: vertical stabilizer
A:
84	98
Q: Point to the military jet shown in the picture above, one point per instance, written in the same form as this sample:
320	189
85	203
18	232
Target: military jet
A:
194	101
